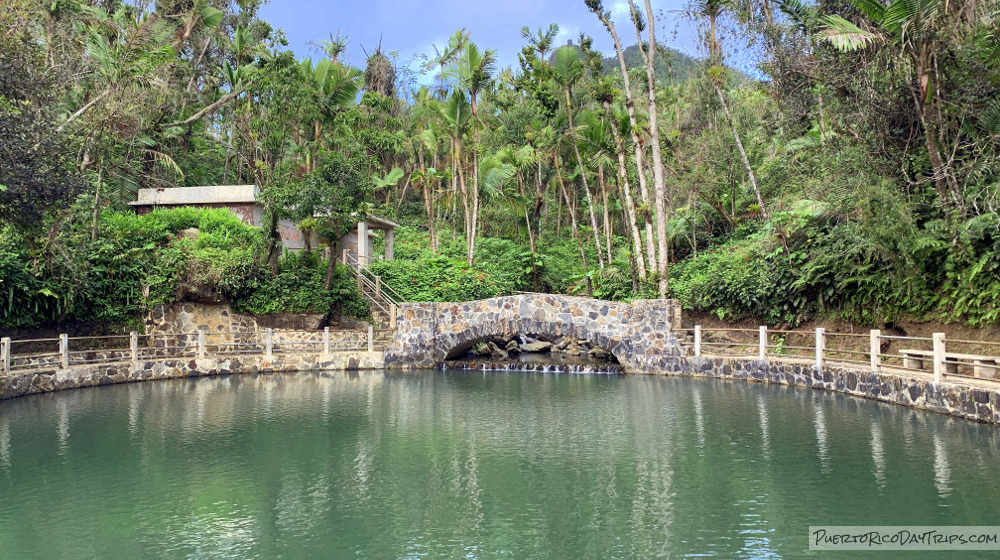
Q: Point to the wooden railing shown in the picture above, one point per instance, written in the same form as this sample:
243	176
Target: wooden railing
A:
65	351
874	350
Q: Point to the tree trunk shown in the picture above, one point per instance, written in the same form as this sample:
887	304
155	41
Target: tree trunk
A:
629	206
273	247
586	187
659	181
743	153
925	108
572	217
97	207
636	141
475	180
607	221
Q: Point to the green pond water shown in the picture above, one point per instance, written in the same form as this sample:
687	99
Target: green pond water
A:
475	465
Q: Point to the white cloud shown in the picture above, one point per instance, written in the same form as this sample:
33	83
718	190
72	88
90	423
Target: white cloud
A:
567	33
619	10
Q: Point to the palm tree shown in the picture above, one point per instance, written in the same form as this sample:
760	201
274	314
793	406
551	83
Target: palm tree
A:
445	56
604	16
474	70
615	124
542	40
712	10
425	141
568	69
659	182
333	87
454	115
914	27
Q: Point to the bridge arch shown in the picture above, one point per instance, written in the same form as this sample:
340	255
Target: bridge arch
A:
639	334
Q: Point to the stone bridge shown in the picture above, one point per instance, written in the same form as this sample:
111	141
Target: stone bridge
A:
641	334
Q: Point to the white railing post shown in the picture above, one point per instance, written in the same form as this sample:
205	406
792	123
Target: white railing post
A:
939	357
268	342
64	350
5	355
875	349
371	338
201	343
326	341
378	286
763	343
392	316
344	258
697	340
133	345
820	347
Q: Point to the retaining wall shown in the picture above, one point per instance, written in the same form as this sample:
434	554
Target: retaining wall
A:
25	383
952	398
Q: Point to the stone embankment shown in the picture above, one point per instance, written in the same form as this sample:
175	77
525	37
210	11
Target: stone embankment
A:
955	396
46	380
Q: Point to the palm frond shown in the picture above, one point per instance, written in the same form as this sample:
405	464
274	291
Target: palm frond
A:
844	35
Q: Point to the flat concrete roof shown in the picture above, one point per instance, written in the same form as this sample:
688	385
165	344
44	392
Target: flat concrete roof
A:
374	222
191	196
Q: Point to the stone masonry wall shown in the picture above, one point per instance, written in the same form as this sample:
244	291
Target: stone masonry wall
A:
916	391
177	325
20	384
639	334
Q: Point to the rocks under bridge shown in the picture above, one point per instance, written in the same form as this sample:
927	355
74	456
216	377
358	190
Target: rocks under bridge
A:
641	334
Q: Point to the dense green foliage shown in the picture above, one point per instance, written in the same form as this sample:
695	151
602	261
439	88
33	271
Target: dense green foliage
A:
162	257
857	180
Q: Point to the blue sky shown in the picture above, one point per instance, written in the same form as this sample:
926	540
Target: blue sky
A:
412	27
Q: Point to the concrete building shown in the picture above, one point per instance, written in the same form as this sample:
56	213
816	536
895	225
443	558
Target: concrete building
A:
242	201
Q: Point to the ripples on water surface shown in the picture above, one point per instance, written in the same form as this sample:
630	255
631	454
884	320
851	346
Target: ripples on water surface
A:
474	465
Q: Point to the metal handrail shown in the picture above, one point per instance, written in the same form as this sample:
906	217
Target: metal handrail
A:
387	291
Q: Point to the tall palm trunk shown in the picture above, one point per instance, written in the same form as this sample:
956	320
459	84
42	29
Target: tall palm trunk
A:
475	182
428	201
637	146
629	206
576	236
607	220
715	55
531	233
586	187
743	153
944	183
659	181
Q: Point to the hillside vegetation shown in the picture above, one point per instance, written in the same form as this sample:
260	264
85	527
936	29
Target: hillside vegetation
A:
858	181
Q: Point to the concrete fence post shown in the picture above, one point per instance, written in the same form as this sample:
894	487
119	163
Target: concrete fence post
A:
326	340
392	316
201	343
5	355
64	350
378	286
875	349
133	345
763	343
939	357
371	338
343	259
697	340
820	347
268	342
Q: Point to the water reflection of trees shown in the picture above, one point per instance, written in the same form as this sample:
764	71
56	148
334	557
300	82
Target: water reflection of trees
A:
450	463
